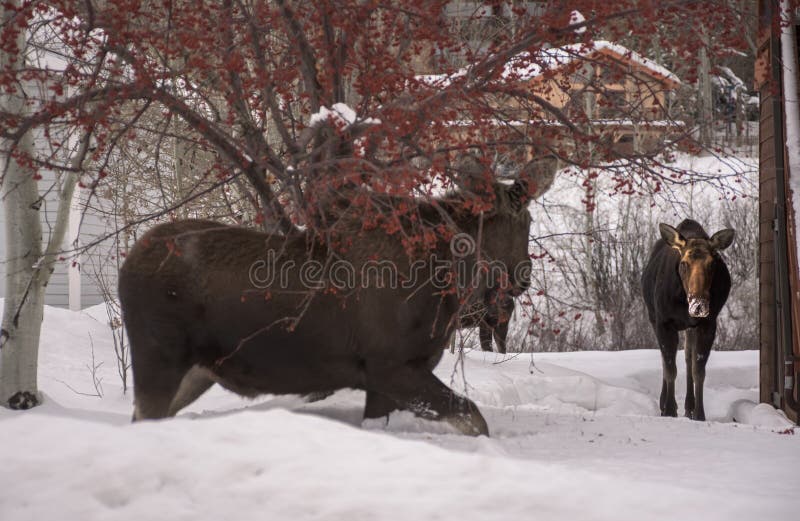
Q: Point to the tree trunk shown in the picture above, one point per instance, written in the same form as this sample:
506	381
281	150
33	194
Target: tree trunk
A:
29	263
23	307
181	169
588	239
705	94
24	298
28	270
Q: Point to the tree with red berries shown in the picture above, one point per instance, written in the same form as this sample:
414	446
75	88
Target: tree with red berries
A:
298	106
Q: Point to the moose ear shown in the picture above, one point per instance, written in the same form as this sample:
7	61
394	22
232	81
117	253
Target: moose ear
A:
671	236
722	239
542	172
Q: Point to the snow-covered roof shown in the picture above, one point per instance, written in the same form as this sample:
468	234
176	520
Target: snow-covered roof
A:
524	67
644	124
341	114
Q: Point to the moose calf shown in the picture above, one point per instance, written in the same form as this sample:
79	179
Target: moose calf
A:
684	285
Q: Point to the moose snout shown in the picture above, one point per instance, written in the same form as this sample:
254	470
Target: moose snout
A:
698	307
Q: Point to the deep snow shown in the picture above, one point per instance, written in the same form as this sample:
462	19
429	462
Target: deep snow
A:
574	436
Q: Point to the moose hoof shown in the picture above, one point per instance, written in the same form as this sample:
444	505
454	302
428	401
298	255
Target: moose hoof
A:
469	424
699	416
23	400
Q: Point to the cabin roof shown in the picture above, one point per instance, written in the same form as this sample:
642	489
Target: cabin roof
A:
524	67
559	57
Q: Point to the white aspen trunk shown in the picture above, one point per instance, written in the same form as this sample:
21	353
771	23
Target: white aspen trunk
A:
24	298
28	270
28	263
74	270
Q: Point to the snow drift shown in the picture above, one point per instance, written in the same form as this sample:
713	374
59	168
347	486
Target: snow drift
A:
574	436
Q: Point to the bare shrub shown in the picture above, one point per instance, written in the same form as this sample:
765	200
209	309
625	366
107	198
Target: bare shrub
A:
586	291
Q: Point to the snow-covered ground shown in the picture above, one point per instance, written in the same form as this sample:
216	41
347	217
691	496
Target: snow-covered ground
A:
574	436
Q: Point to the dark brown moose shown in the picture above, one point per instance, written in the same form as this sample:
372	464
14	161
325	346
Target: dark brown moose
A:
685	284
197	312
492	314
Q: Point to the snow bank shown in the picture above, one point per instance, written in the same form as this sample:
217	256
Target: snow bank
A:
762	414
502	381
574	436
726	181
279	465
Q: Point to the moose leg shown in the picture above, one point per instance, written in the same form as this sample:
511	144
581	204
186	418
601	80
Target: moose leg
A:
196	382
415	388
485	334
379	405
155	392
500	335
159	367
704	339
689	343
506	310
668	340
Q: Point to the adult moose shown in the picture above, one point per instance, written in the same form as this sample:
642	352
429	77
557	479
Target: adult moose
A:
492	314
685	284
195	318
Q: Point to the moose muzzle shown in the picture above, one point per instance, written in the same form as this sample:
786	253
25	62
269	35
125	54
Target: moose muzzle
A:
698	307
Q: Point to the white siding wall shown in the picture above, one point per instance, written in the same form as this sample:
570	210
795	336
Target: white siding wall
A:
100	257
92	225
99	260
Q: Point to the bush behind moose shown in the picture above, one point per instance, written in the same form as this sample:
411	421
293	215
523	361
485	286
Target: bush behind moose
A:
594	275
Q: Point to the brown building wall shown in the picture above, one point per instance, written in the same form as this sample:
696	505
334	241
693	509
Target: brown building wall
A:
766	215
779	288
